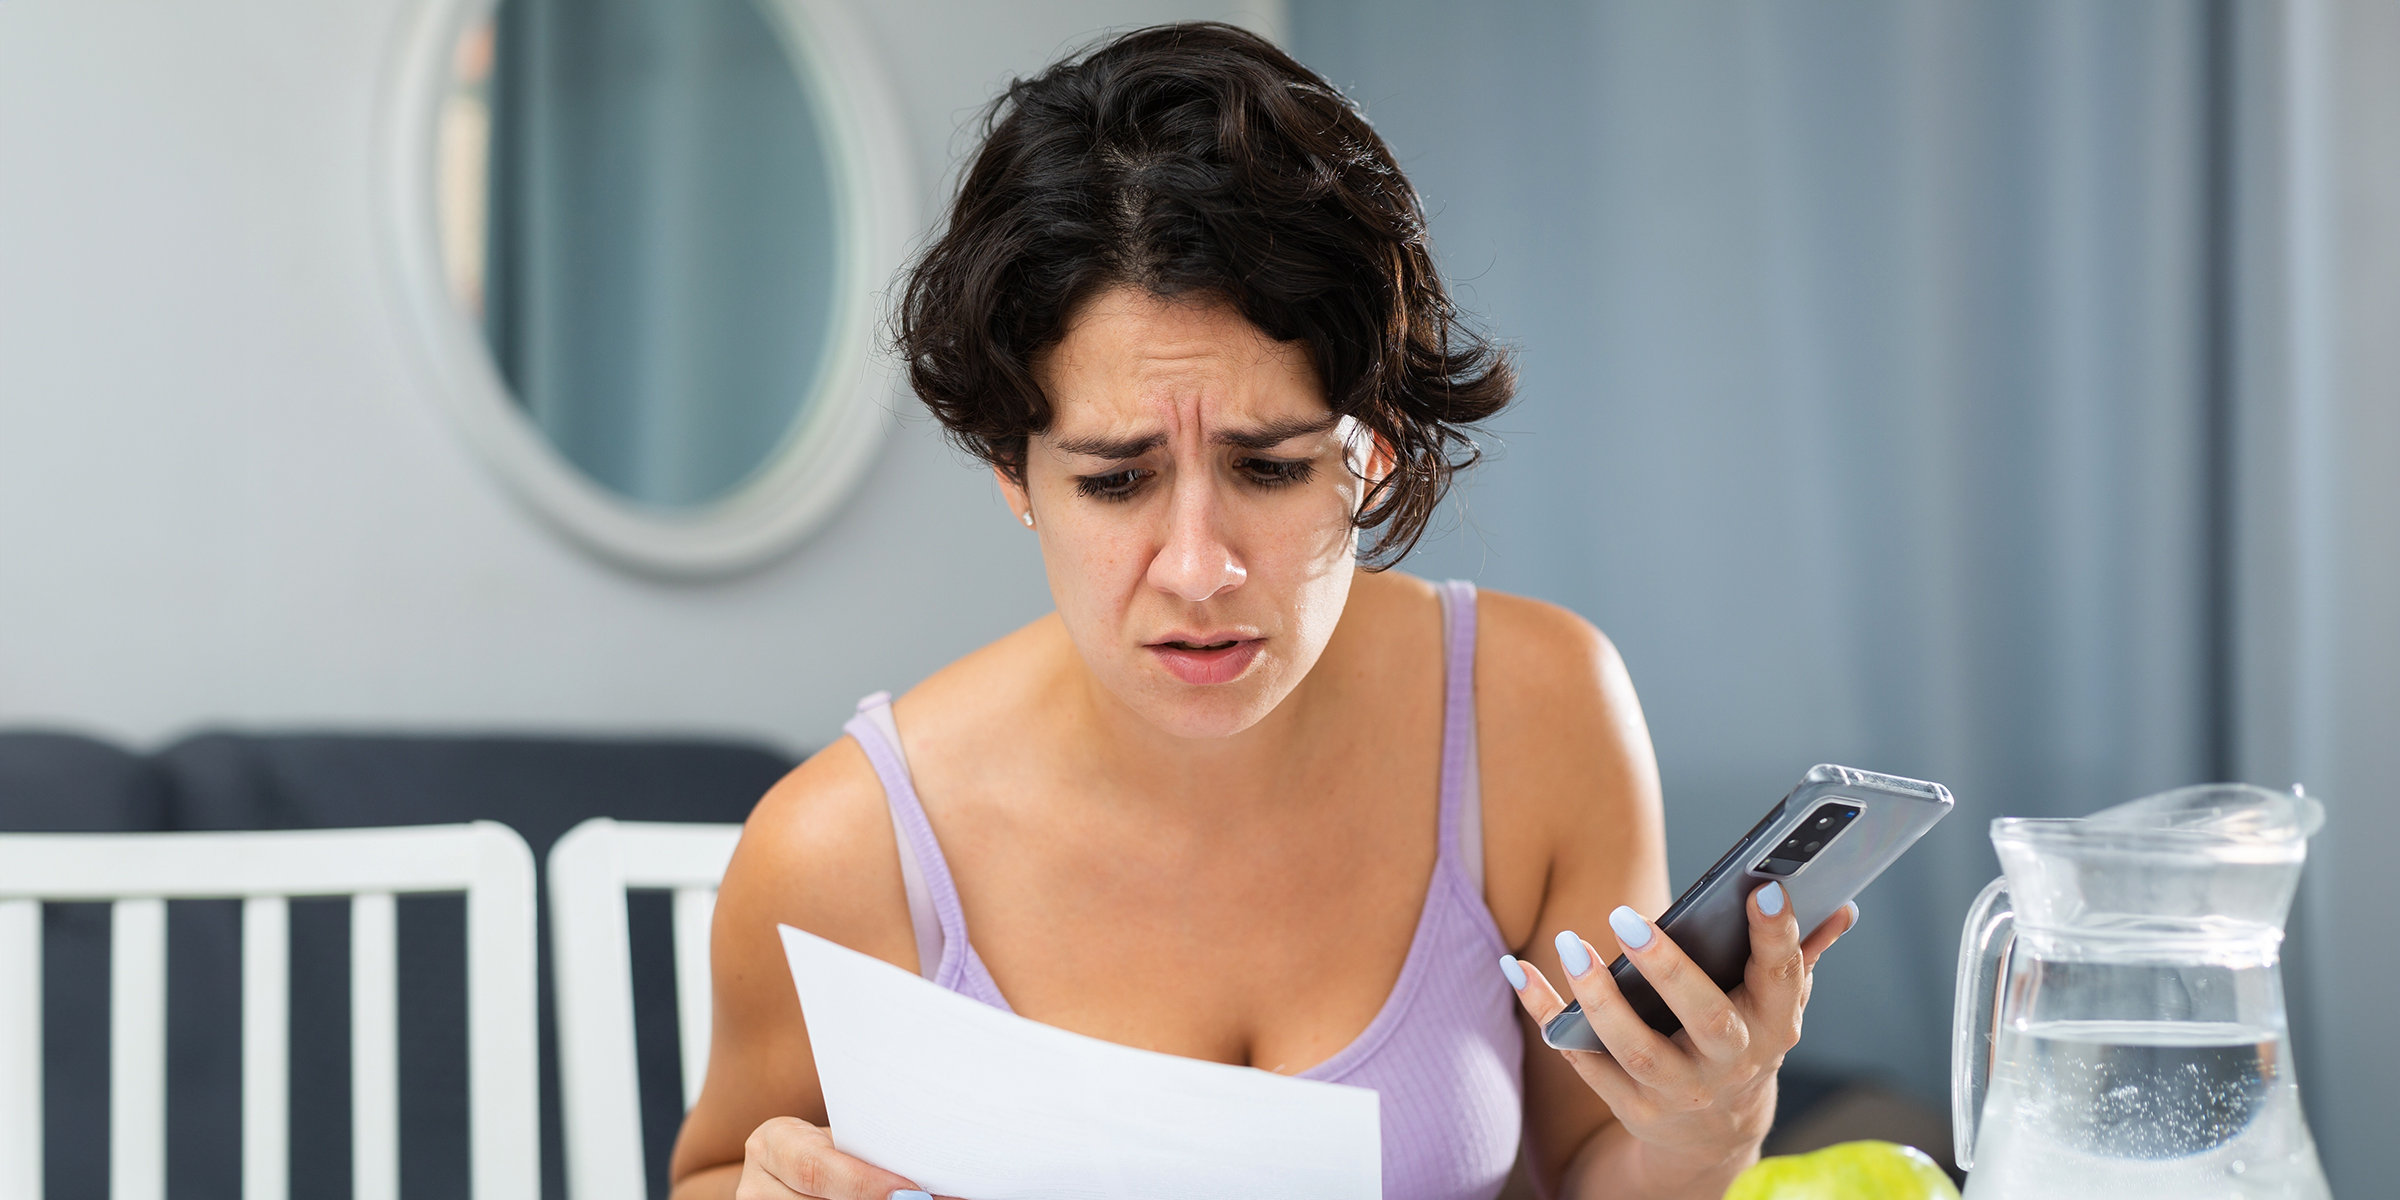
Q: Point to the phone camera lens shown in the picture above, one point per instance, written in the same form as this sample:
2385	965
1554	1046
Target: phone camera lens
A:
1824	822
1812	847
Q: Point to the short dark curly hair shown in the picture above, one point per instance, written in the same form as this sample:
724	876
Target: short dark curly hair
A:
1199	159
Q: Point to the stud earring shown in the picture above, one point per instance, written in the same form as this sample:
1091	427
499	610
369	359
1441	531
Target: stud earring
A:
1027	516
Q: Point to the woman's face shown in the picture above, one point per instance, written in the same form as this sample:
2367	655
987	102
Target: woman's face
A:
1194	503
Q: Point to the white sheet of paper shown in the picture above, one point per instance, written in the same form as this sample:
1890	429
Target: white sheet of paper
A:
973	1102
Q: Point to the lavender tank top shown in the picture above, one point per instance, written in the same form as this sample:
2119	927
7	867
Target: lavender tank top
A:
1444	1052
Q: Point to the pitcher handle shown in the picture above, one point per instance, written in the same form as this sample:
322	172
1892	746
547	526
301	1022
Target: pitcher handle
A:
1982	968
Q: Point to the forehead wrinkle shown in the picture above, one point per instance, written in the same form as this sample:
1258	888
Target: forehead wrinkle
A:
1144	374
1181	408
1145	407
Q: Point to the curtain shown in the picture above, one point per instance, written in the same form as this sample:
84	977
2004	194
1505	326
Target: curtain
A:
1869	402
2317	240
661	252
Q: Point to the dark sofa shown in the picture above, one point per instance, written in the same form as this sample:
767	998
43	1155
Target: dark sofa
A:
540	786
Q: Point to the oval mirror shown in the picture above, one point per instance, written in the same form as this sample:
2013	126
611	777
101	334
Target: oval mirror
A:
644	241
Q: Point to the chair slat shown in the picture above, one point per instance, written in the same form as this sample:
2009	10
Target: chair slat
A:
374	1047
600	1103
503	1061
695	908
664	854
20	1050
290	862
137	1051
266	1048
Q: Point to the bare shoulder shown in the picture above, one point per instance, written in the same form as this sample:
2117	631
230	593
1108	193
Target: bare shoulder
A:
818	853
1544	673
1540	642
1570	780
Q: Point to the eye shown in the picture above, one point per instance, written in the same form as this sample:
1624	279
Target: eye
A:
1275	472
1116	485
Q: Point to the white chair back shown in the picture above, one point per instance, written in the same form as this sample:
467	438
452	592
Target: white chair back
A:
591	869
140	872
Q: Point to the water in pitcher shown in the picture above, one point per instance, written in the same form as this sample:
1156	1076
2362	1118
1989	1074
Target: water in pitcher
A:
2132	1110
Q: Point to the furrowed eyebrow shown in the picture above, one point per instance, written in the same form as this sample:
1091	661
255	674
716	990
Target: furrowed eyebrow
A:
1274	433
1111	448
1263	437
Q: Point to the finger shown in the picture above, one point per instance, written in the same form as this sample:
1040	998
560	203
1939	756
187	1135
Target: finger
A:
1533	989
1645	1054
1714	1025
1843	920
756	1184
1541	1002
1775	979
801	1157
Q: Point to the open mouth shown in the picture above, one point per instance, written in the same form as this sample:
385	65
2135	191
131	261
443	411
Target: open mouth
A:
1218	660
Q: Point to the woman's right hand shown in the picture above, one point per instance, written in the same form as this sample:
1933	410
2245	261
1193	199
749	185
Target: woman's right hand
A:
788	1158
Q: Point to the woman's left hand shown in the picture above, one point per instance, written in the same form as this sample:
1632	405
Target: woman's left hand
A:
1704	1097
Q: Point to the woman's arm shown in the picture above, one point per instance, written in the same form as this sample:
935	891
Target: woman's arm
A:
817	853
1572	822
1572	802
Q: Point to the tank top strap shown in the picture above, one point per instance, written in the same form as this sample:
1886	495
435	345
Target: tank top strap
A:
933	908
1462	779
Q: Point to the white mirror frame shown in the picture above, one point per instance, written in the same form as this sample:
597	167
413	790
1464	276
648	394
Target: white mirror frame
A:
839	424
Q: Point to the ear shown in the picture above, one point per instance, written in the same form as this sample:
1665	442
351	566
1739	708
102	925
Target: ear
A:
1013	492
1382	460
1369	454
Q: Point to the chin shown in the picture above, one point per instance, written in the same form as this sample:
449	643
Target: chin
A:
1218	710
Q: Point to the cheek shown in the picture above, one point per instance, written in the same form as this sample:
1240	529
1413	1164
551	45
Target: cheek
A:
1096	559
1307	536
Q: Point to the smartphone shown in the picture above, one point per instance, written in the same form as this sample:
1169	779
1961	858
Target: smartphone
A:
1825	842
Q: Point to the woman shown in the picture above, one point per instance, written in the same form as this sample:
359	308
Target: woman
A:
1241	797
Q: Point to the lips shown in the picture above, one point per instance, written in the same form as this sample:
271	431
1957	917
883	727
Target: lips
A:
1205	659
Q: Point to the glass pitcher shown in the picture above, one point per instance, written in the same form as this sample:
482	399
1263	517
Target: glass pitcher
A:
2120	1028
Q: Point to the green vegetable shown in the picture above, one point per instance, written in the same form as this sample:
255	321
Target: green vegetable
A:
1850	1171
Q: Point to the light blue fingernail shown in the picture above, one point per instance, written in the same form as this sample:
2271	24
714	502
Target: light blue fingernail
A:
911	1194
1515	973
1632	930
1572	955
1770	899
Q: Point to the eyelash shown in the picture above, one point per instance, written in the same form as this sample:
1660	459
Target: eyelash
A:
1273	472
1116	485
1263	472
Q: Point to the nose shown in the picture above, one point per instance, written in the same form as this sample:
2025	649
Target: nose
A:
1196	562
